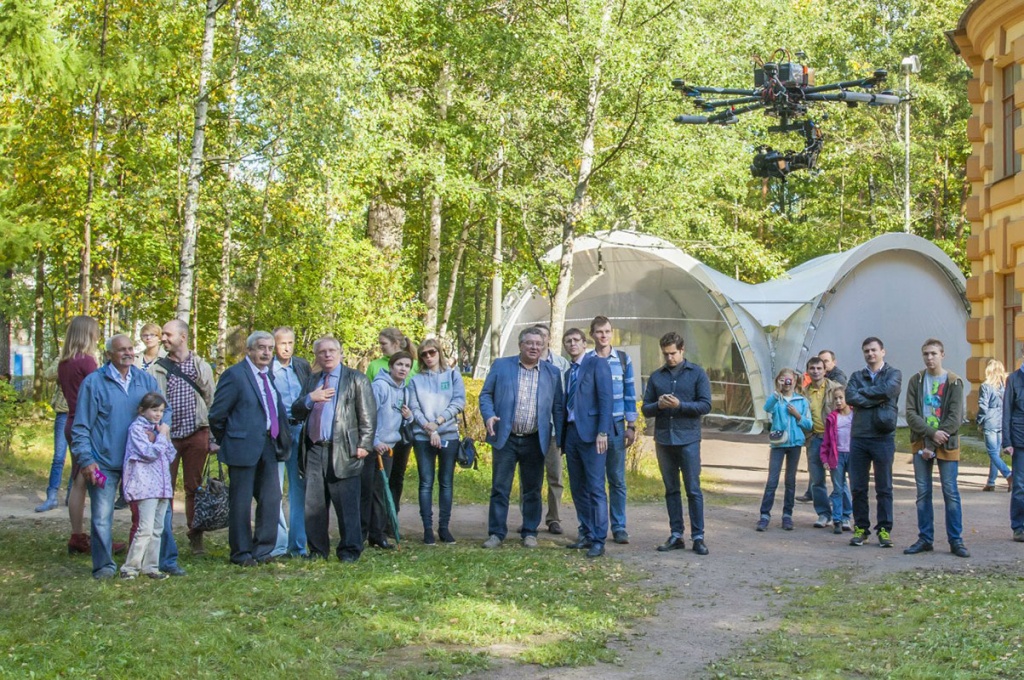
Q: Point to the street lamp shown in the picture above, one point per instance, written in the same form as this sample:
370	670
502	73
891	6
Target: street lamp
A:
911	64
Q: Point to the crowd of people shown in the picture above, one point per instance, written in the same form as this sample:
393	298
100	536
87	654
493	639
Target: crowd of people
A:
330	430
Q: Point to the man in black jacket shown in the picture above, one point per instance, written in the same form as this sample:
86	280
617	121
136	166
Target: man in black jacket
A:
874	393
1013	443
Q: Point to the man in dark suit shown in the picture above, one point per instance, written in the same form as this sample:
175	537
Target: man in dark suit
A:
588	418
290	375
520	399
249	421
339	416
1013	443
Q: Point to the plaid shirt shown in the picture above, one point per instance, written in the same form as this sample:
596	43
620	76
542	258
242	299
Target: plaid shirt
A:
525	420
182	398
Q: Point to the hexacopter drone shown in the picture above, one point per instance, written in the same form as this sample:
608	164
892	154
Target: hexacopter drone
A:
784	89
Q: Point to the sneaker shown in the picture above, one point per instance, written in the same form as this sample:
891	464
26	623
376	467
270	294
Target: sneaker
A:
127	576
445	535
1018	536
157	575
787	523
762	524
492	542
530	542
859	536
847	526
884	541
837	528
428	537
823	521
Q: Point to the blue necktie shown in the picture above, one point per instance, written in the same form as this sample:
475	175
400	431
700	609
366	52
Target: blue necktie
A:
570	390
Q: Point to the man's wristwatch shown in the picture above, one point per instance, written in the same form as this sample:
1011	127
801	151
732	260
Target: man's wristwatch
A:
602	434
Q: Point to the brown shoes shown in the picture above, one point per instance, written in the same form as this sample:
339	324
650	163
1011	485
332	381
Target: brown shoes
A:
79	544
195	542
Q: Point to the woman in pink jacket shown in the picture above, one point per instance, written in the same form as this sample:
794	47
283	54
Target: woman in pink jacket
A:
147	479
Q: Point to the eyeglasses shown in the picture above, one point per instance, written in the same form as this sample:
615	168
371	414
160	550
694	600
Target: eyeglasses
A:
149	335
428	352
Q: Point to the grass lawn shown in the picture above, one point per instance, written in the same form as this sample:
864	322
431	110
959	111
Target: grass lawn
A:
913	625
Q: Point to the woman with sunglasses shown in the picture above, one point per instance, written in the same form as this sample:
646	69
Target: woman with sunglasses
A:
436	397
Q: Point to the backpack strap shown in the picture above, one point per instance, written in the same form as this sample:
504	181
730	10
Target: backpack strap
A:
174	370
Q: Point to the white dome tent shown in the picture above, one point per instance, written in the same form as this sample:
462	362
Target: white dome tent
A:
899	287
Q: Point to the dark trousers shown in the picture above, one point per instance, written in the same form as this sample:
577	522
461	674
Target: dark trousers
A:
192	452
396	478
586	481
259	481
675	461
867	453
323	490
526	453
373	517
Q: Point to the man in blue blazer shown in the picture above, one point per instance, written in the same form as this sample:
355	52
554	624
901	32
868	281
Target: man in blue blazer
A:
520	402
588	419
249	421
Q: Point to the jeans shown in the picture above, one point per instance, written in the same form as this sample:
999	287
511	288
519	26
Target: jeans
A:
950	496
819	492
790	455
526	453
60	452
615	470
586	480
996	466
443	459
865	453
101	506
281	545
842	501
143	555
1017	494
684	459
291	529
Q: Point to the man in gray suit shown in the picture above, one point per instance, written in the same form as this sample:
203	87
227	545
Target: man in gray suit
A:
339	417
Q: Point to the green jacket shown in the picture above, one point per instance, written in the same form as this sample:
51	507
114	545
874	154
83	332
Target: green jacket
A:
952	408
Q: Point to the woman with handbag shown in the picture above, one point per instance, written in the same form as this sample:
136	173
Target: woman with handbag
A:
436	396
791	418
392	415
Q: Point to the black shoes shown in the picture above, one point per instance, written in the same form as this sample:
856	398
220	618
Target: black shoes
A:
580	544
383	544
445	535
620	537
959	549
428	537
676	543
555	528
699	547
806	498
595	551
919	547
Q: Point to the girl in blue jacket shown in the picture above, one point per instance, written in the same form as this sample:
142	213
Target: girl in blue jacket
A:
791	417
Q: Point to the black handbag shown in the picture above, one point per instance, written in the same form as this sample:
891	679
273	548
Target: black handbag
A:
211	505
465	456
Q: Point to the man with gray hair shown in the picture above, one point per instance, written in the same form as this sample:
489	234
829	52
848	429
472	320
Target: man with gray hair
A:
339	418
249	421
187	382
108	403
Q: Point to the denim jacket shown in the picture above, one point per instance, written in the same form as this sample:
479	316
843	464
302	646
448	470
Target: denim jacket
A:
990	408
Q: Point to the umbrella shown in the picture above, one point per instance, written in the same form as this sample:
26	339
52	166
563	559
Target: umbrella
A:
389	501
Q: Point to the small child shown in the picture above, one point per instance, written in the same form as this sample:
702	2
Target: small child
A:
835	455
147	479
791	419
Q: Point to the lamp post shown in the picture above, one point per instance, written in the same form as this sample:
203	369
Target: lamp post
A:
911	64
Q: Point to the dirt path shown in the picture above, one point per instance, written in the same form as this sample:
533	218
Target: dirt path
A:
716	603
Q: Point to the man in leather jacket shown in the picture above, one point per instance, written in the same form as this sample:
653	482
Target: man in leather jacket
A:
339	416
873	392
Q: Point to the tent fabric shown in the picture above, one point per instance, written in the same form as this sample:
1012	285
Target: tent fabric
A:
899	287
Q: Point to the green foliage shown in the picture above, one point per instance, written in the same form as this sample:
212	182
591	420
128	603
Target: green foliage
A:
901	626
391	616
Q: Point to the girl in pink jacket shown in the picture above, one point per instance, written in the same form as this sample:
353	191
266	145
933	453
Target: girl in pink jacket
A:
835	455
147	479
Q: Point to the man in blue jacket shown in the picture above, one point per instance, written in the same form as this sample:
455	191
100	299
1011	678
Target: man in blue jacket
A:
1013	443
520	400
108	402
677	395
873	392
588	419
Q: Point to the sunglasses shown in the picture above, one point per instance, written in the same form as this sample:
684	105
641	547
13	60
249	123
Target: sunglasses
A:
428	352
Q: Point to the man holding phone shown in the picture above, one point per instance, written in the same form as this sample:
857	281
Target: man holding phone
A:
677	395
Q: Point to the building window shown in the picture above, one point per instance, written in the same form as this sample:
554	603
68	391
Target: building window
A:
1011	120
1011	308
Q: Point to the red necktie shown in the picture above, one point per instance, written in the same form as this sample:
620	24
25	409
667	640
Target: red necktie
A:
315	417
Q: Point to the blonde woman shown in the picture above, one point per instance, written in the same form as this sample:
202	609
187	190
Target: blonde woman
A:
77	360
990	420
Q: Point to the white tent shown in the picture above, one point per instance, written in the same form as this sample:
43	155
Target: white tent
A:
899	287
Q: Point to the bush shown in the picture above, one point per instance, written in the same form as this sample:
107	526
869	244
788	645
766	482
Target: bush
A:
13	409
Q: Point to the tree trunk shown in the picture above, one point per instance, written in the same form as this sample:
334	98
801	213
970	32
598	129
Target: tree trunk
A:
497	259
85	275
432	282
229	171
5	328
453	280
38	325
385	225
190	229
560	302
257	283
